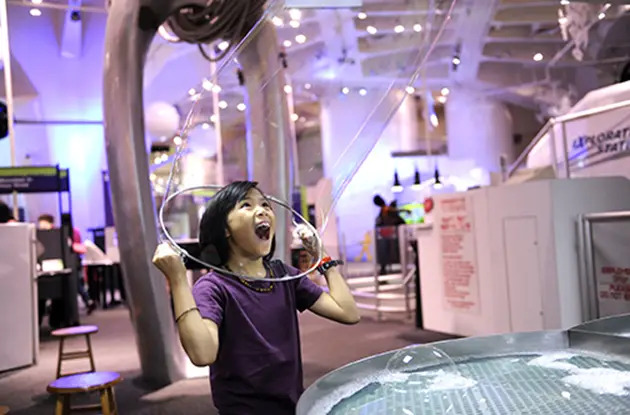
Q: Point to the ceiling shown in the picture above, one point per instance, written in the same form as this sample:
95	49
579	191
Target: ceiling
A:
513	50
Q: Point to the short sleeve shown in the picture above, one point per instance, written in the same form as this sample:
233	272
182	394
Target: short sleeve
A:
209	298
306	293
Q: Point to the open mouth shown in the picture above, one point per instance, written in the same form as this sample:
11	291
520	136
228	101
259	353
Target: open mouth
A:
263	230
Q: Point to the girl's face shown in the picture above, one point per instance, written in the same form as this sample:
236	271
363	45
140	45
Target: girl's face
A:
251	225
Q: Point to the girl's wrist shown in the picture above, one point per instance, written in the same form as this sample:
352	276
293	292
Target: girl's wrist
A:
178	279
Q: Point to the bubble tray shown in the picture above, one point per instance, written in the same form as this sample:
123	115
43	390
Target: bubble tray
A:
585	370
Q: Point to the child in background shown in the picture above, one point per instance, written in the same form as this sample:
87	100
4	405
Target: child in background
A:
247	331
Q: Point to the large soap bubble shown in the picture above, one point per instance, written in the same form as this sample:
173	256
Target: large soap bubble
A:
300	103
427	377
417	380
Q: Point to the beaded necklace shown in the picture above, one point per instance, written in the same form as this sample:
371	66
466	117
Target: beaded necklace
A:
258	289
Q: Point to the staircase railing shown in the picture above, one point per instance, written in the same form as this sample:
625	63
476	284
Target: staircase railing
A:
389	294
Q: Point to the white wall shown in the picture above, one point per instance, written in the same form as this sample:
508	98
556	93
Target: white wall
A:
510	299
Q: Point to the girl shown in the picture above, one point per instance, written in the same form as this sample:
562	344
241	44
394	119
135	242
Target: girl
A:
247	331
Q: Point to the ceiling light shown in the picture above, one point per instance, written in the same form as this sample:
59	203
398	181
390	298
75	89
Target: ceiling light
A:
456	61
294	24
35	12
224	45
207	85
277	21
216	89
363	92
396	188
562	20
362	16
223	105
192	91
287	43
601	16
300	38
437	183
410	90
399	28
445	91
371	30
213	118
295	14
416	181
36	1
538	57
441	99
205	126
417	27
307	86
196	97
564	2
177	140
295	117
288	89
345	90
241	107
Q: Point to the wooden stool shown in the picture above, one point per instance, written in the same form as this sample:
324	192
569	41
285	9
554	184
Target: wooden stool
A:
73	332
103	382
4	410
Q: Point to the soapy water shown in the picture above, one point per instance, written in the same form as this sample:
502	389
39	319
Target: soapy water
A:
547	383
599	380
220	103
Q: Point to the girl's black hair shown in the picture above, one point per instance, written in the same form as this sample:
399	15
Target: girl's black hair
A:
213	243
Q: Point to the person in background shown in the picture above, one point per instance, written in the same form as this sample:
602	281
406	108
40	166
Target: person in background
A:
6	215
46	222
387	245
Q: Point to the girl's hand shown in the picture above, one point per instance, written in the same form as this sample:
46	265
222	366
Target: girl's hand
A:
171	265
309	240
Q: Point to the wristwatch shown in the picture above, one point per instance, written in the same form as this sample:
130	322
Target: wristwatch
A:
326	265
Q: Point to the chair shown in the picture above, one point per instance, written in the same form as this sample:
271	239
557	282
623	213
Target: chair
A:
69	332
102	382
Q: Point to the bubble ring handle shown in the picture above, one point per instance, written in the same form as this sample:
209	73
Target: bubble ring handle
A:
184	253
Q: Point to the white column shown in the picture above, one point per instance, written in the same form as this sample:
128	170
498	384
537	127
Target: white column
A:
342	117
478	129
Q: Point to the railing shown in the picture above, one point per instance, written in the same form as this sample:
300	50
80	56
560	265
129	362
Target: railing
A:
548	128
377	289
587	259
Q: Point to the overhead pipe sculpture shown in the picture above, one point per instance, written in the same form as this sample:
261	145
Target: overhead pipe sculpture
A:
131	27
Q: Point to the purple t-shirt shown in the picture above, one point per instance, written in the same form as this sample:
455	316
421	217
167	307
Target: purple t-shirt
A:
259	363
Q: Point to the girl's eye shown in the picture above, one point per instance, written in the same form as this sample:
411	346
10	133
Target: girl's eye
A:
245	204
266	205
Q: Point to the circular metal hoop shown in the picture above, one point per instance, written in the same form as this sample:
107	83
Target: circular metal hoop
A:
223	271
